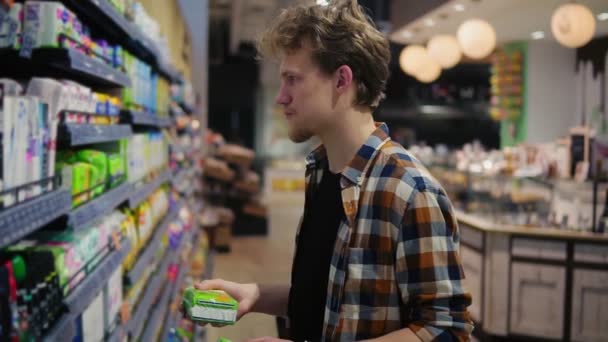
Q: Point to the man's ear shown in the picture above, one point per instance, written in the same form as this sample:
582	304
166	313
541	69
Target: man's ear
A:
344	78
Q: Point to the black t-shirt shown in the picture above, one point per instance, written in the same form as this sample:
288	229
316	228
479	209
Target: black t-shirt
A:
322	216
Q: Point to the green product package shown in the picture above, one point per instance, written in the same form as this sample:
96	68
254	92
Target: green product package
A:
210	306
100	161
81	180
116	169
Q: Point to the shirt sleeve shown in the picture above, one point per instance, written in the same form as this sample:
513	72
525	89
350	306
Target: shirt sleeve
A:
429	270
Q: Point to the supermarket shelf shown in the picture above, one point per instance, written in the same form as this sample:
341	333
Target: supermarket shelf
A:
152	325
22	219
116	335
164	122
141	193
61	63
147	257
80	298
84	134
139	317
138	118
81	217
84	293
64	330
171	317
101	15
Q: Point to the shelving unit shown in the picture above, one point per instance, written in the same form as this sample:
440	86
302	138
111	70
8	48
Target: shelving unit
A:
102	15
62	63
97	208
137	118
135	326
149	252
80	297
105	23
86	134
142	192
25	218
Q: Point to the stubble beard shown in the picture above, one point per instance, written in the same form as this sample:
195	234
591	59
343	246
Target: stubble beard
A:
299	135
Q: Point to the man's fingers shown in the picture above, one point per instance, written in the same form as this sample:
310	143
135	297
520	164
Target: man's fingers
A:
213	284
259	339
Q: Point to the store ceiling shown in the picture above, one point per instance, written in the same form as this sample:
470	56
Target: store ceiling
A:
512	19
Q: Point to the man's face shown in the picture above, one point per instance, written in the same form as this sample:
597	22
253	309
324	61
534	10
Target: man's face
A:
306	95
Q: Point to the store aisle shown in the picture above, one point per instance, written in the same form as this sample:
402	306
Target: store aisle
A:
262	260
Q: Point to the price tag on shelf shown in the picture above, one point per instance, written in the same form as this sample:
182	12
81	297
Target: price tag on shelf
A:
116	240
125	313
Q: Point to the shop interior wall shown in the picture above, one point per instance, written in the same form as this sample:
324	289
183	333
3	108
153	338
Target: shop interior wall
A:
196	13
551	91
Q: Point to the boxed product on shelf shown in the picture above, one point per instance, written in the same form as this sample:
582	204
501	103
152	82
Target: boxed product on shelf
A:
77	253
34	297
25	152
112	293
92	330
11	27
92	172
146	153
51	24
145	86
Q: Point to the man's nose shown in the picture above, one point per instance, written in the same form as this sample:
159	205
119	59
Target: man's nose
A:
283	98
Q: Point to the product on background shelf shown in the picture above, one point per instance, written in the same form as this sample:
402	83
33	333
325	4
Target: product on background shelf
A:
507	85
112	294
239	155
56	263
92	172
218	169
146	153
91	320
210	306
11	28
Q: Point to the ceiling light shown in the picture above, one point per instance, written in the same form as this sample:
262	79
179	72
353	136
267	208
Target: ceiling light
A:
538	35
477	38
573	25
429	22
602	16
459	8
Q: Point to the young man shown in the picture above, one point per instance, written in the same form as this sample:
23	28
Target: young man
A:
377	249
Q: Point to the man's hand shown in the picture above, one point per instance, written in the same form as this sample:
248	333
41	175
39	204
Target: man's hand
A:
246	294
267	339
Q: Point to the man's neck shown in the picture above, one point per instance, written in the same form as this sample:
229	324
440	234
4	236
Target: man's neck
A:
345	138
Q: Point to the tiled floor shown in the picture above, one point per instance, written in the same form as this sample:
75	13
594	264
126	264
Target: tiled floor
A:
261	260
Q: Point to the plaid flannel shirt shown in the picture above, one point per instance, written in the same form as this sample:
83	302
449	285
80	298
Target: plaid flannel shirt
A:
396	261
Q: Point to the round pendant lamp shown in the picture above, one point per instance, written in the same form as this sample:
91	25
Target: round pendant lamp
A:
429	72
445	50
477	38
573	25
413	58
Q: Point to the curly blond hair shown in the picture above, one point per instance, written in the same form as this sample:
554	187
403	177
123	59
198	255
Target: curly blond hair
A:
339	33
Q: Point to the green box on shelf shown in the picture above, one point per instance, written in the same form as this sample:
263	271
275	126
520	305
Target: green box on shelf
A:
210	306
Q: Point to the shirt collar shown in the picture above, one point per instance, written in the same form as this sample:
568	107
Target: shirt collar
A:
359	164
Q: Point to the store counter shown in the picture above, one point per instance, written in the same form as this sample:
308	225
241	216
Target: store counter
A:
535	282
